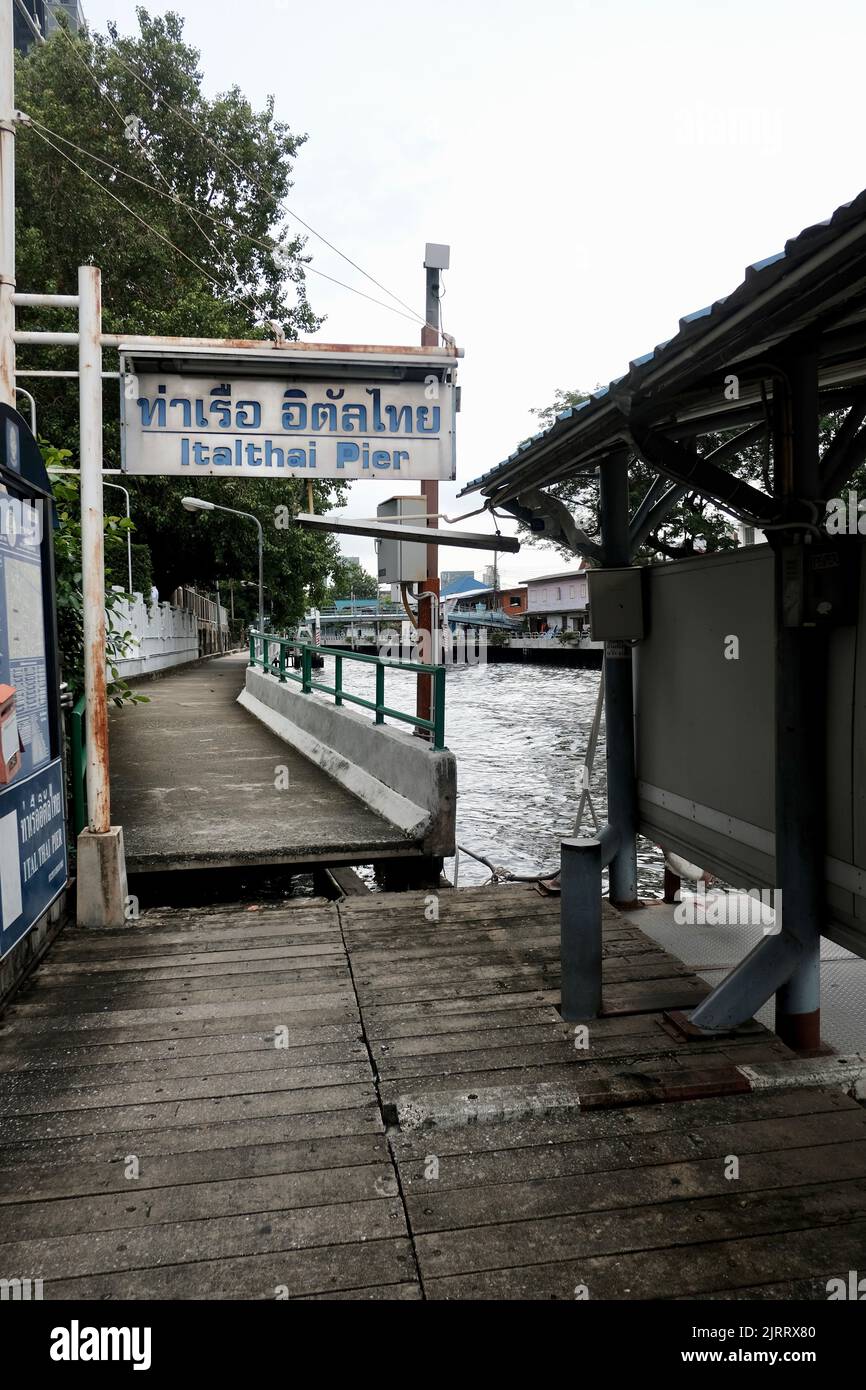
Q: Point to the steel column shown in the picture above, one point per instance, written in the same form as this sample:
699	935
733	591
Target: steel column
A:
618	693
428	606
801	677
580	929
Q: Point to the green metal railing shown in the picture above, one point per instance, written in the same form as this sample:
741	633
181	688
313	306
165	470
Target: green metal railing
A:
278	665
78	736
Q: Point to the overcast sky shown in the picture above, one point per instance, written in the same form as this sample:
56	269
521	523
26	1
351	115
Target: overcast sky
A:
599	167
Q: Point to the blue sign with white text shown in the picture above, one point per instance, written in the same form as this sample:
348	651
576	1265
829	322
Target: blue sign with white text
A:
33	867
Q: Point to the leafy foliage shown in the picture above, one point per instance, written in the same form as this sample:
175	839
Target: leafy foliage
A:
67	568
350	578
167	271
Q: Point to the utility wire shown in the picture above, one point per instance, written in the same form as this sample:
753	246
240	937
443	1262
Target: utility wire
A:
268	192
267	245
250	302
132	212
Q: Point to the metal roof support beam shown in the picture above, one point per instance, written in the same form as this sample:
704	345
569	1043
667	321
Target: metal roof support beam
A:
847	450
550	517
704	475
652	511
645	522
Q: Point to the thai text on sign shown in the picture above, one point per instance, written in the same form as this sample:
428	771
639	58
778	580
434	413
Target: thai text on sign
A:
278	427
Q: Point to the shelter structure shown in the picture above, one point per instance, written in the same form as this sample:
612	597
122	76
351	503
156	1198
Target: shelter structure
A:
773	794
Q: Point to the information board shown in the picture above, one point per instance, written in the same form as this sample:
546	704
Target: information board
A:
33	856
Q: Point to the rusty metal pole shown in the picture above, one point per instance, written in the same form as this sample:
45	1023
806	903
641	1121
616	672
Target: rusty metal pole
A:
428	607
7	203
101	888
92	545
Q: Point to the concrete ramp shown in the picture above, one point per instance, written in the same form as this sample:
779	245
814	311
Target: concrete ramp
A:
198	782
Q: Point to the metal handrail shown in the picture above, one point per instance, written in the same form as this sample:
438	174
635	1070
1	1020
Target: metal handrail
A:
307	650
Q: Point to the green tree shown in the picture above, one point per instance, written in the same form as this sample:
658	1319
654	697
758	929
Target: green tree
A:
165	270
350	578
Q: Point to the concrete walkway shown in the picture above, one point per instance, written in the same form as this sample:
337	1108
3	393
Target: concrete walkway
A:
197	782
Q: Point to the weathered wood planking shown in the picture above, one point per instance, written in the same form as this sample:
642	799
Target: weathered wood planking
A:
635	1202
265	1169
257	1167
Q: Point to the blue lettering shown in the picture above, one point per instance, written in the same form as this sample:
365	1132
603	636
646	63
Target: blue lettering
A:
149	408
347	453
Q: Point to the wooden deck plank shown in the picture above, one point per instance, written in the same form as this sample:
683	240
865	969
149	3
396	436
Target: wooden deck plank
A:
669	1226
749	1268
113	1145
220	1237
33	1182
134	1209
267	1172
305	1273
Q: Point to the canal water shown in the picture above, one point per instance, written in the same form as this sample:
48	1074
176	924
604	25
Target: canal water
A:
520	734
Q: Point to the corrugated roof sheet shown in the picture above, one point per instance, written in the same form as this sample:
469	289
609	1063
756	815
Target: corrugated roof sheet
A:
758	277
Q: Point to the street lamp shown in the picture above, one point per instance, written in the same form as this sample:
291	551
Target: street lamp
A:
197	504
128	531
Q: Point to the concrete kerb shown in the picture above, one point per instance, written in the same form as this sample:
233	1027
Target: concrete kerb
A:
397	775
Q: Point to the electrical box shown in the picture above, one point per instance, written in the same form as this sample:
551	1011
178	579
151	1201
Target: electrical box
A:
403	562
616	604
436	256
821	583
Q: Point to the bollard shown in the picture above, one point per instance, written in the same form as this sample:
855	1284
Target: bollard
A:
580	929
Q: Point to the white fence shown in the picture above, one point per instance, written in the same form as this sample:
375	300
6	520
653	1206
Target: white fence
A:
161	636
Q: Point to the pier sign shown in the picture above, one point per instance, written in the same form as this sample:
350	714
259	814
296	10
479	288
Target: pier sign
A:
195	426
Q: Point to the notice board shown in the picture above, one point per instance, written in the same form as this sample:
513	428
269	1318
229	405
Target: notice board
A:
33	850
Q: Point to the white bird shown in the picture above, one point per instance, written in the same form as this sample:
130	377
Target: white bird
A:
683	869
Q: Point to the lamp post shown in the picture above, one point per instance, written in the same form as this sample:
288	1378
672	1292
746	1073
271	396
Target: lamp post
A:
197	504
128	530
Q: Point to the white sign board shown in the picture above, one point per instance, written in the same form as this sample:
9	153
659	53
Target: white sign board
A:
195	426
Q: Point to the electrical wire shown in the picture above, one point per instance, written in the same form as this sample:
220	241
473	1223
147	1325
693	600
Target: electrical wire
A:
133	213
249	301
267	245
268	192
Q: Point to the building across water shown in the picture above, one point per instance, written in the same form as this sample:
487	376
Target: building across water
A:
558	602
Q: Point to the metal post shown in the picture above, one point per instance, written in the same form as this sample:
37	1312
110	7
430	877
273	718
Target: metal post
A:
7	203
801	669
261	575
92	546
580	929
430	492
619	694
